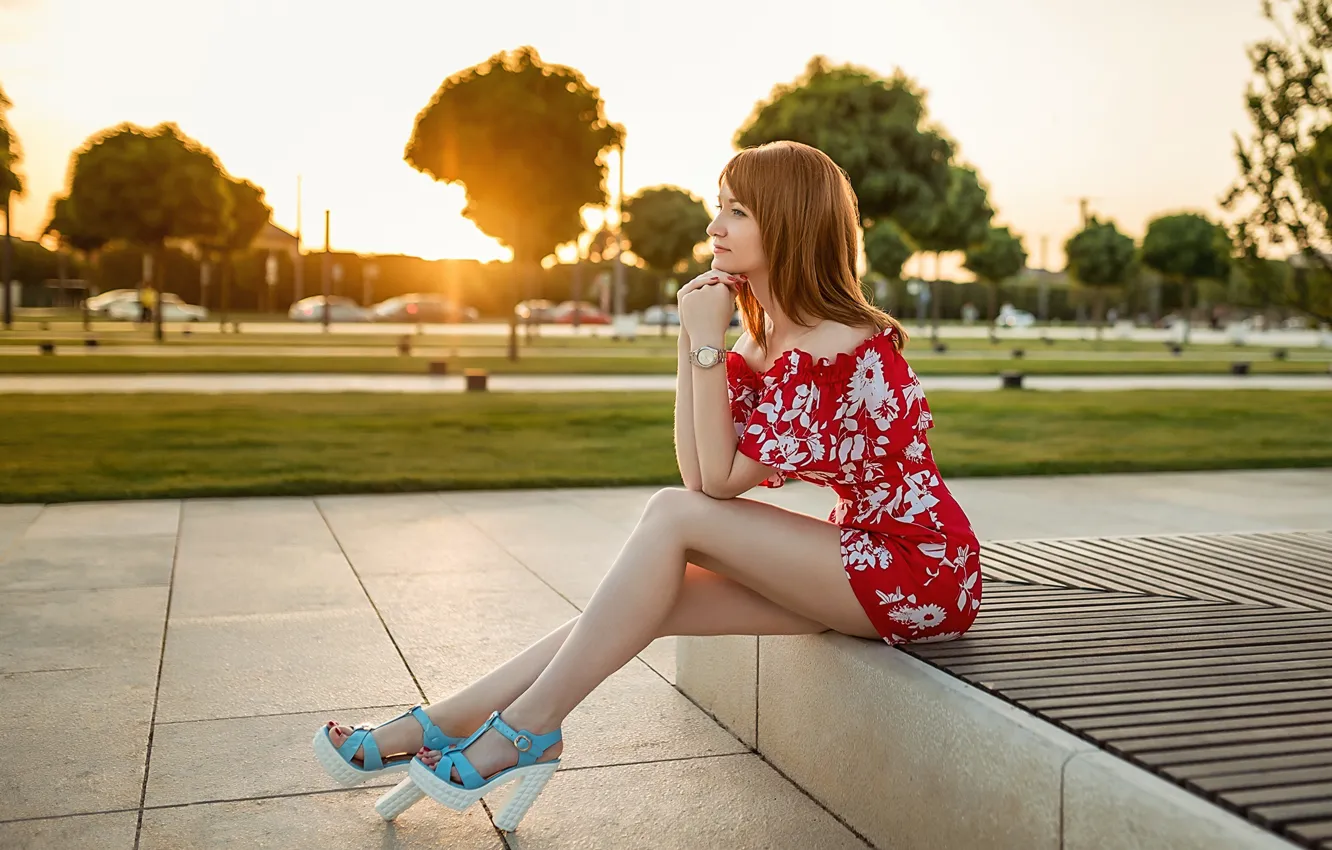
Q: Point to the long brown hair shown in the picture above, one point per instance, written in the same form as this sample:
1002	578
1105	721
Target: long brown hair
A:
807	218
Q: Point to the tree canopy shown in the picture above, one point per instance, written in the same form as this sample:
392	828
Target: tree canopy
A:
11	154
868	125
148	186
1284	190
526	140
995	259
1101	257
887	248
664	224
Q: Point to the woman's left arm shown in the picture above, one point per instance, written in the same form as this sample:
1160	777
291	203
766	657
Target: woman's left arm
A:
726	473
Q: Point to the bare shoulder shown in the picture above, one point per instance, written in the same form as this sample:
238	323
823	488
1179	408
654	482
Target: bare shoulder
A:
746	347
830	339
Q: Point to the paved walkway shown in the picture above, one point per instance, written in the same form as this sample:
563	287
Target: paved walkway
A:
164	664
341	383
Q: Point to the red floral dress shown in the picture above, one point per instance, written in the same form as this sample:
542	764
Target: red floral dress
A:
857	424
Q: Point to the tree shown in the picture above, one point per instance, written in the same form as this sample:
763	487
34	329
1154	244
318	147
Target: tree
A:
74	235
528	142
663	225
997	258
1101	257
1285	180
1185	248
10	184
869	126
887	248
247	213
148	186
961	221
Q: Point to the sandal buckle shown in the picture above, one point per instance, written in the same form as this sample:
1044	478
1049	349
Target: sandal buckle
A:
525	745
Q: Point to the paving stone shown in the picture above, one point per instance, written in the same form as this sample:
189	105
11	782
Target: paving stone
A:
735	802
114	831
343	819
279	663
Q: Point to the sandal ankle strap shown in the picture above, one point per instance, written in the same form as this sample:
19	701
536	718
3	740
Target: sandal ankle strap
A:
530	747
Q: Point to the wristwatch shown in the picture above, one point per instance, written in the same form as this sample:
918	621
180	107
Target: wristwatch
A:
706	356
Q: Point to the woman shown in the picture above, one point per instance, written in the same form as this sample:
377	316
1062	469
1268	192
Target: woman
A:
816	389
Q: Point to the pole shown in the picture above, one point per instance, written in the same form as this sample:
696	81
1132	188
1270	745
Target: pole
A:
619	240
7	271
298	284
325	272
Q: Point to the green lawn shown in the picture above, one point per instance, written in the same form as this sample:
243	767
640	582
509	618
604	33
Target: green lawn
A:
64	448
621	364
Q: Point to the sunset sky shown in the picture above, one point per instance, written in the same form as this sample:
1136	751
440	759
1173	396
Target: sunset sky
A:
1131	103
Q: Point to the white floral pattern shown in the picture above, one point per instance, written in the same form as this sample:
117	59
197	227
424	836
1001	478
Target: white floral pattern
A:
857	423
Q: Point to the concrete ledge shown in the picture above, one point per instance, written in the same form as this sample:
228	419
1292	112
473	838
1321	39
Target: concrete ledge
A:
910	756
906	755
1111	805
720	674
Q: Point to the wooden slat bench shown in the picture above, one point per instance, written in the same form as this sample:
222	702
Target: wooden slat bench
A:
1202	663
1206	659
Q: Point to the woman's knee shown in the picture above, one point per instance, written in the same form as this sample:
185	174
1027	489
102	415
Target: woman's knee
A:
673	505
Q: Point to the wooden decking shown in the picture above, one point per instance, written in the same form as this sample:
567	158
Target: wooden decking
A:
1206	659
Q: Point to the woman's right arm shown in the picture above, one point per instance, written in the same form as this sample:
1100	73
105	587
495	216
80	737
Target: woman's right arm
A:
686	449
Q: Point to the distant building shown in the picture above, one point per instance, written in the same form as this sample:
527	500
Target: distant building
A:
274	238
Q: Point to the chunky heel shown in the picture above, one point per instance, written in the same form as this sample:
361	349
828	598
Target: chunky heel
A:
524	795
529	774
398	799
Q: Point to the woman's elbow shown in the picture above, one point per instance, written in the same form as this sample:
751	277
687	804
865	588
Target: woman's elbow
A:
718	490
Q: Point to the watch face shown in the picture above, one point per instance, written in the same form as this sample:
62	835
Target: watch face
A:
708	356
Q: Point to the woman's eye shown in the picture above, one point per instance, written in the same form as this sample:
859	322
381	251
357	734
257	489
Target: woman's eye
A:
738	212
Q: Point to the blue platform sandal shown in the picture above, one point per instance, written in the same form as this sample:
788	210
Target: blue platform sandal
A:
530	774
337	761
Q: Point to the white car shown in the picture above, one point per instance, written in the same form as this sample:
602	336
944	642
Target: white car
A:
663	315
1011	318
173	309
99	303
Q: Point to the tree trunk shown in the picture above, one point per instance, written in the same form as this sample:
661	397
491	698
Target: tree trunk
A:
158	285
935	306
994	301
6	270
1100	313
1187	293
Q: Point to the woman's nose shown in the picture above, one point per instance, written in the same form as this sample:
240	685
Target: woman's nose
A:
715	228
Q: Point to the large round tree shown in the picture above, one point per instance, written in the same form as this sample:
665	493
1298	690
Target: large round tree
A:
528	142
998	257
1101	257
871	127
1185	248
146	187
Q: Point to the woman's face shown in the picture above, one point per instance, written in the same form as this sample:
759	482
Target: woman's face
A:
736	245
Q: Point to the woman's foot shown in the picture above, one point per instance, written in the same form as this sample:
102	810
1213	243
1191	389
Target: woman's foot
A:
492	752
397	740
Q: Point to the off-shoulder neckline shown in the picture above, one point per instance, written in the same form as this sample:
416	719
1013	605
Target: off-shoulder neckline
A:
822	362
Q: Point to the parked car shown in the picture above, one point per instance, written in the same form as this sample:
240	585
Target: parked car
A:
340	309
1011	318
589	314
423	307
98	304
534	310
173	309
667	314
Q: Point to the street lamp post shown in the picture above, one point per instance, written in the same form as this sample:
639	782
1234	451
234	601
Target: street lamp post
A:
619	239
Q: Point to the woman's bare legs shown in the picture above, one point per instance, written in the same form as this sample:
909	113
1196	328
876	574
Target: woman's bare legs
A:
791	559
708	604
